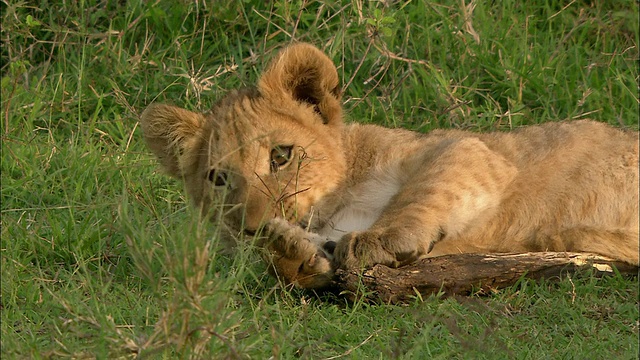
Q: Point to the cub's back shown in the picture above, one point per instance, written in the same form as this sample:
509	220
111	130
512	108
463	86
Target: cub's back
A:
571	174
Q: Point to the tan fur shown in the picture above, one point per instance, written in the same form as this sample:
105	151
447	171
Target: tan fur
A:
391	196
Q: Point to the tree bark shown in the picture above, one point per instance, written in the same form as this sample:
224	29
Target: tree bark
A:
464	274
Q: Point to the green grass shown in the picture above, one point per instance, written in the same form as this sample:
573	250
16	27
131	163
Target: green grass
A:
102	257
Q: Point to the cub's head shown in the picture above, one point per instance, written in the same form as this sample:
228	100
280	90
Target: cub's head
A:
269	151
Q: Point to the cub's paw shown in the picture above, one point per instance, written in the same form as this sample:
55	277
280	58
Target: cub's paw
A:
296	256
361	250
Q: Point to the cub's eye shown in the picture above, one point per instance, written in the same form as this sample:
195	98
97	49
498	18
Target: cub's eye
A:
280	156
217	177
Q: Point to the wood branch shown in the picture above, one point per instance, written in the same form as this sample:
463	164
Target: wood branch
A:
463	274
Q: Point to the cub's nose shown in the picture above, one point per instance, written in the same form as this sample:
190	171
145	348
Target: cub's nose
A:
330	246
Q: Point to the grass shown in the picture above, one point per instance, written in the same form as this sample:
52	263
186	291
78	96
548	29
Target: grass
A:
102	257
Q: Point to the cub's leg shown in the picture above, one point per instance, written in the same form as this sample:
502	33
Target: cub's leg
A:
451	188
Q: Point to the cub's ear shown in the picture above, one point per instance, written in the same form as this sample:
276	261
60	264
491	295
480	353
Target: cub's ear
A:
304	73
173	134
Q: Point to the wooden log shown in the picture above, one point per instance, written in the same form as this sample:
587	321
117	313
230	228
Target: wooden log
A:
463	274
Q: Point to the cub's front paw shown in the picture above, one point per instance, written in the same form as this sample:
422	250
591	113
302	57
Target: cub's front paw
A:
360	250
297	256
389	247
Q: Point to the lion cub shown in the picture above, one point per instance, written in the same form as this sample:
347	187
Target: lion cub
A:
278	157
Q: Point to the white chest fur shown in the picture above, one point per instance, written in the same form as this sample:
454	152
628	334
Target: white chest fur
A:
364	204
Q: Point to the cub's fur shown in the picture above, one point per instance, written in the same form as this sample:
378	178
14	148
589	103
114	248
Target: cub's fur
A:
279	157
